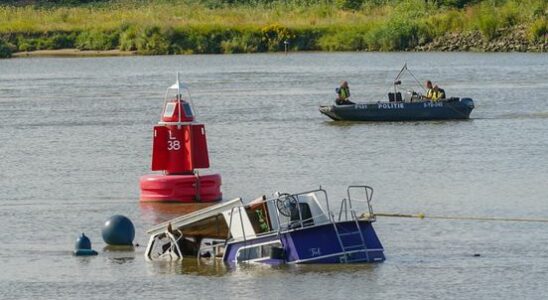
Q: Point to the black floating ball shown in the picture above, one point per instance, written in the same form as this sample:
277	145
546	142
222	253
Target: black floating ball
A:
118	230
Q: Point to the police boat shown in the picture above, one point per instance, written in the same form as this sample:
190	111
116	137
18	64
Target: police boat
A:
402	105
284	229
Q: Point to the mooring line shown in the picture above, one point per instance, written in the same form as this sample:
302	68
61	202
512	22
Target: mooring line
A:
423	216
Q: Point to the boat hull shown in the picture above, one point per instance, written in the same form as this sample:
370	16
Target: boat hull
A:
452	109
314	244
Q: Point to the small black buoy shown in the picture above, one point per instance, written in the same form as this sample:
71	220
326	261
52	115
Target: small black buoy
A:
83	246
118	231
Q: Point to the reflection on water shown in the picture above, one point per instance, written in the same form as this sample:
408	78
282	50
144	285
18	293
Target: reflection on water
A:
216	267
519	115
119	248
121	254
121	260
156	212
189	266
403	124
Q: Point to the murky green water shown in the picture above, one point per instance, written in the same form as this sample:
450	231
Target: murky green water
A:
76	135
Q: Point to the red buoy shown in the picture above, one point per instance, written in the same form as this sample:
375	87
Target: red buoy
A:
179	148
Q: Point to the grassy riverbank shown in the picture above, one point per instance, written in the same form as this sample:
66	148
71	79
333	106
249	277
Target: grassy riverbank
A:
210	26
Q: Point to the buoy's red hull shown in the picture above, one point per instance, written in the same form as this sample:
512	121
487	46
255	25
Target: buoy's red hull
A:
181	188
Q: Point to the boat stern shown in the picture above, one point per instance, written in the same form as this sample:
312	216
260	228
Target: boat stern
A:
339	242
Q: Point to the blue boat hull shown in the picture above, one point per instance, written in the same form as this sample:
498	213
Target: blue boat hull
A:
451	109
315	244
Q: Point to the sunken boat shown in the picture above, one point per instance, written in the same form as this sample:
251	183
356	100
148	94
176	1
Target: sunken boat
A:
402	105
285	229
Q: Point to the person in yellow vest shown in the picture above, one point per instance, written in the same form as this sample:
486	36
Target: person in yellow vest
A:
343	93
429	90
438	94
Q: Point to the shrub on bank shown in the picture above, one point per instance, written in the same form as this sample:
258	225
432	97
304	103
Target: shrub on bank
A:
62	40
181	27
6	49
47	41
128	38
404	30
487	22
152	41
346	39
538	31
438	25
274	36
349	4
243	42
199	39
392	36
97	40
509	14
306	38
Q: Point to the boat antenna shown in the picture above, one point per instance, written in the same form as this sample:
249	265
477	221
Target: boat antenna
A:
396	80
401	71
418	82
404	68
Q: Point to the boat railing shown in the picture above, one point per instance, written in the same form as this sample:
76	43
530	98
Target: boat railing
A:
215	248
352	206
357	205
295	211
165	245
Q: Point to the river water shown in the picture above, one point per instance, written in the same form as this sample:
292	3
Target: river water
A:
75	135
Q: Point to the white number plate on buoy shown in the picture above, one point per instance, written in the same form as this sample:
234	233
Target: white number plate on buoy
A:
173	144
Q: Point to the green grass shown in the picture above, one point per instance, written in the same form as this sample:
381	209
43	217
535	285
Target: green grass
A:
213	26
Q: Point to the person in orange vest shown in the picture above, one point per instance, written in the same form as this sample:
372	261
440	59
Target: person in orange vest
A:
343	93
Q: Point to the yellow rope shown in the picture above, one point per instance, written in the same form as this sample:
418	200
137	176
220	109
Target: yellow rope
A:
423	216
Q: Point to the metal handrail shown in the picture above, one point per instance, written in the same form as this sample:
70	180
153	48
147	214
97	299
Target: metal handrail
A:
368	198
346	208
343	204
214	246
175	242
